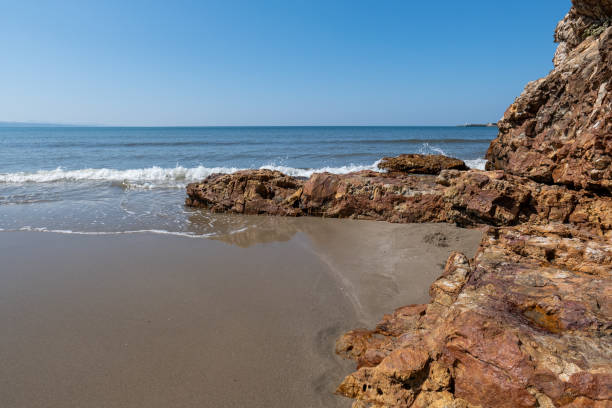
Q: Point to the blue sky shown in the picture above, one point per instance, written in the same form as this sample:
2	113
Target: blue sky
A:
327	62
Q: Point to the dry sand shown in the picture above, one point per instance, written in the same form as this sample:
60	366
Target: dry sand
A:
159	321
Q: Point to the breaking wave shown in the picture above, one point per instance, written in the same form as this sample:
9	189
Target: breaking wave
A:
156	177
175	177
478	164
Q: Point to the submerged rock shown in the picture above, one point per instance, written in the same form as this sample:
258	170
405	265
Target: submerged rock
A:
421	163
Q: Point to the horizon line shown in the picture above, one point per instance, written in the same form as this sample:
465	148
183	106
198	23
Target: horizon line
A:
50	124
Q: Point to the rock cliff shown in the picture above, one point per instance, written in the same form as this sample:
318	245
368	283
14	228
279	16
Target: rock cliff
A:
559	130
528	321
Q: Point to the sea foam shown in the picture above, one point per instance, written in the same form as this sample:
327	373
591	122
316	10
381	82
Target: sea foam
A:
153	177
478	164
176	177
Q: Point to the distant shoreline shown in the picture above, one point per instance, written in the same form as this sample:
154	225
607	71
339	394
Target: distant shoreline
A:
60	125
490	124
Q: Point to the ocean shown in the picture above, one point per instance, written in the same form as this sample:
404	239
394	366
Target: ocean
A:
117	180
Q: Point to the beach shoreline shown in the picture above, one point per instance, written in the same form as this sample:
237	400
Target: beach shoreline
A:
155	320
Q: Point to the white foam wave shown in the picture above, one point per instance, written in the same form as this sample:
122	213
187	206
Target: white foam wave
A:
175	177
426	148
478	164
143	231
144	177
154	177
292	171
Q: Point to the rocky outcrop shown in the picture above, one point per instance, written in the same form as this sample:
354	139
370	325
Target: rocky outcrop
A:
525	324
363	195
528	321
587	18
246	192
497	198
421	164
559	130
468	198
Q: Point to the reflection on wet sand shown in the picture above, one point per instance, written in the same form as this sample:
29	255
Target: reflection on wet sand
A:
377	265
245	231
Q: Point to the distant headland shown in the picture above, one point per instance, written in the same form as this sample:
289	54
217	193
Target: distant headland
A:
490	124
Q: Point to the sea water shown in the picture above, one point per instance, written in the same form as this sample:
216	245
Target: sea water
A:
108	180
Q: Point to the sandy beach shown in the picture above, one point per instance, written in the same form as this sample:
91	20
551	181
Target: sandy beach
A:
151	320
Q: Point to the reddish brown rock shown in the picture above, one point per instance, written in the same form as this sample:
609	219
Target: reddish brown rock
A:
468	198
508	330
247	192
421	164
526	324
528	321
498	198
363	195
559	130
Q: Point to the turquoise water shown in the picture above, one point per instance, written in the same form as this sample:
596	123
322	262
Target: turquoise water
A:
110	180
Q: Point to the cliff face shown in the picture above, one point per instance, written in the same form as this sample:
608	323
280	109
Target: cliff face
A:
559	130
587	18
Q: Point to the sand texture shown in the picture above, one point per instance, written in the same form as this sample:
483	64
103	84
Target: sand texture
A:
146	320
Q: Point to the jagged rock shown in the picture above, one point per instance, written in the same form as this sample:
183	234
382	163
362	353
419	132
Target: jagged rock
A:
421	163
559	130
364	195
468	198
586	18
508	330
247	192
498	198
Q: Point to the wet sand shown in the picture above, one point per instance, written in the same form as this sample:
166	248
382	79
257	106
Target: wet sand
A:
248	320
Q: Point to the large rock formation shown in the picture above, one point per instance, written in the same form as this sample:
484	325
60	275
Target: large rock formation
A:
528	321
468	198
559	130
525	324
364	195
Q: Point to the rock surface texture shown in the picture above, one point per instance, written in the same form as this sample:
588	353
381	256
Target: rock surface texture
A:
468	198
559	130
525	324
528	321
421	164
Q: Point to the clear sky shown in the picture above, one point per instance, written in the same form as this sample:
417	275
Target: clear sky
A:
285	62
